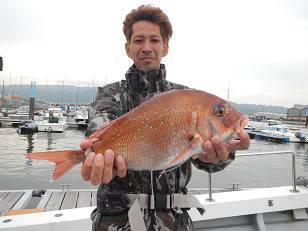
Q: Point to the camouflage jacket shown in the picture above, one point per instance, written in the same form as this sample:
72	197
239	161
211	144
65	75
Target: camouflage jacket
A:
118	98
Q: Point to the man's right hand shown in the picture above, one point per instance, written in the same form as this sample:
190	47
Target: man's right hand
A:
99	168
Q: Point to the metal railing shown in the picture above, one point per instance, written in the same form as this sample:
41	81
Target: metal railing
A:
294	189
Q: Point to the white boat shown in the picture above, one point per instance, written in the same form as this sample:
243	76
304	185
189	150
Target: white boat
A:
53	121
276	208
20	114
280	133
81	116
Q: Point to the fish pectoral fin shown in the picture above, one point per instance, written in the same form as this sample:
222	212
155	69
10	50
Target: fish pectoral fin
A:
193	148
193	126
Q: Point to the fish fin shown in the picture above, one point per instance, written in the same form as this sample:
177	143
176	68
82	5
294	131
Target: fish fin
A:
194	122
193	148
99	132
64	160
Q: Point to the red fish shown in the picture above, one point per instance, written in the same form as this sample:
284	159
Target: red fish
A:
161	133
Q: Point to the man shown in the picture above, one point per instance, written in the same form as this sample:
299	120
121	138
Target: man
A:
147	30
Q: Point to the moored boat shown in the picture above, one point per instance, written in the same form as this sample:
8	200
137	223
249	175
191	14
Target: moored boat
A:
53	121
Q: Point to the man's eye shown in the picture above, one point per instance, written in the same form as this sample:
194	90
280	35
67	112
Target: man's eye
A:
138	41
155	40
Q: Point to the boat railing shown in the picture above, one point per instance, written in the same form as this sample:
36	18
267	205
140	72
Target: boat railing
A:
294	189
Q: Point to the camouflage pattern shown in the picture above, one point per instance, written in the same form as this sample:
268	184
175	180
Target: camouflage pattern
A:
116	99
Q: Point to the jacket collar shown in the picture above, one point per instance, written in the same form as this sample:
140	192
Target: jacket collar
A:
140	80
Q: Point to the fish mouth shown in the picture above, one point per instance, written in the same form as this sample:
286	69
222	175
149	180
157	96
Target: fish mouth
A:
238	127
242	123
231	136
234	133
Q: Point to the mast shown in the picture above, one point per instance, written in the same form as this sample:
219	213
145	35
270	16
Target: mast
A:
19	98
228	95
2	93
1	67
62	91
77	96
93	96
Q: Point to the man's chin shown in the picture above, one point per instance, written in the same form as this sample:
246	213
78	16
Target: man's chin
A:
148	66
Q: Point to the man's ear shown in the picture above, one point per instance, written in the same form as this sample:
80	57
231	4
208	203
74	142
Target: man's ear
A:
127	48
165	48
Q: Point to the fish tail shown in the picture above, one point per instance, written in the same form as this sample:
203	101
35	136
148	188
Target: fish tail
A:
64	160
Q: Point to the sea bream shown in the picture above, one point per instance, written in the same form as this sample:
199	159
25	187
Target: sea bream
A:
160	134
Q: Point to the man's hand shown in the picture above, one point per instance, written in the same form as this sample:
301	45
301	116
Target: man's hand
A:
99	168
216	150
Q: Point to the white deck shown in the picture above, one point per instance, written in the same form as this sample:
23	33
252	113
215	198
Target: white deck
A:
235	205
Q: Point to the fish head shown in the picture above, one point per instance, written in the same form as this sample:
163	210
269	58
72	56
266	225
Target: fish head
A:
223	120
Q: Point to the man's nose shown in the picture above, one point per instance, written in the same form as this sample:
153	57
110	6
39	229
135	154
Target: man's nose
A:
147	48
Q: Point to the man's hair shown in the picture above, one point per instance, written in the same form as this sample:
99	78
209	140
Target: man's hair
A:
151	14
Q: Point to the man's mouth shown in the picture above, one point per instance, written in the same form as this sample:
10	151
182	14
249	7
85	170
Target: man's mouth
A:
146	58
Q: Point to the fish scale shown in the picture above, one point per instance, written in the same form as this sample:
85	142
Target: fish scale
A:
159	134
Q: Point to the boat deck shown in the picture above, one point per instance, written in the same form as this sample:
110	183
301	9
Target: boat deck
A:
49	200
262	209
12	201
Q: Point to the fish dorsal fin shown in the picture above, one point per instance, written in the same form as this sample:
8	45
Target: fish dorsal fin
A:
99	132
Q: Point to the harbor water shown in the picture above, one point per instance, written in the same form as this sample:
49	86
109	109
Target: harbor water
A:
17	172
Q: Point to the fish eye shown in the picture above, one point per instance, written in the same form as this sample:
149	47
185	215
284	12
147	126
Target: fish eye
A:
220	111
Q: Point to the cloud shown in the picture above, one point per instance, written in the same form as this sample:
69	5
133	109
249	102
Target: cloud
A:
259	47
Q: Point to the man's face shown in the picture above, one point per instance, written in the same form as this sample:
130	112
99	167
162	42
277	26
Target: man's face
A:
146	47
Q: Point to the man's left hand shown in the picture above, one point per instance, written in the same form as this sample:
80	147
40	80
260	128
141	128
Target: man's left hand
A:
216	150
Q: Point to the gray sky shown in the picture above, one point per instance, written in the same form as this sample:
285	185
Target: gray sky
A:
258	48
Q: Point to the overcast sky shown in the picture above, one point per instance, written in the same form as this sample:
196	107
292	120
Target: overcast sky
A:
258	48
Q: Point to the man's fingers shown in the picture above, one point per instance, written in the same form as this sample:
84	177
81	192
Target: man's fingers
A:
220	148
97	169
108	169
87	166
87	143
245	140
210	152
241	144
121	166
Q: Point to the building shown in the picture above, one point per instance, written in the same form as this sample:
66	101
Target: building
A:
297	112
269	115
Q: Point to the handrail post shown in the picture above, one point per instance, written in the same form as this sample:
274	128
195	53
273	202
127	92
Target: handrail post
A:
210	199
293	162
295	190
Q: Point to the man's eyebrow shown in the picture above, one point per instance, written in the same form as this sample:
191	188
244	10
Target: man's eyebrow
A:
154	36
138	36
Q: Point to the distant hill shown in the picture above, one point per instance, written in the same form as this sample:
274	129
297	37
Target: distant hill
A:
53	94
250	109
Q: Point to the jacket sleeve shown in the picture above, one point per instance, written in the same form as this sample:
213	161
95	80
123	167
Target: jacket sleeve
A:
210	168
105	108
